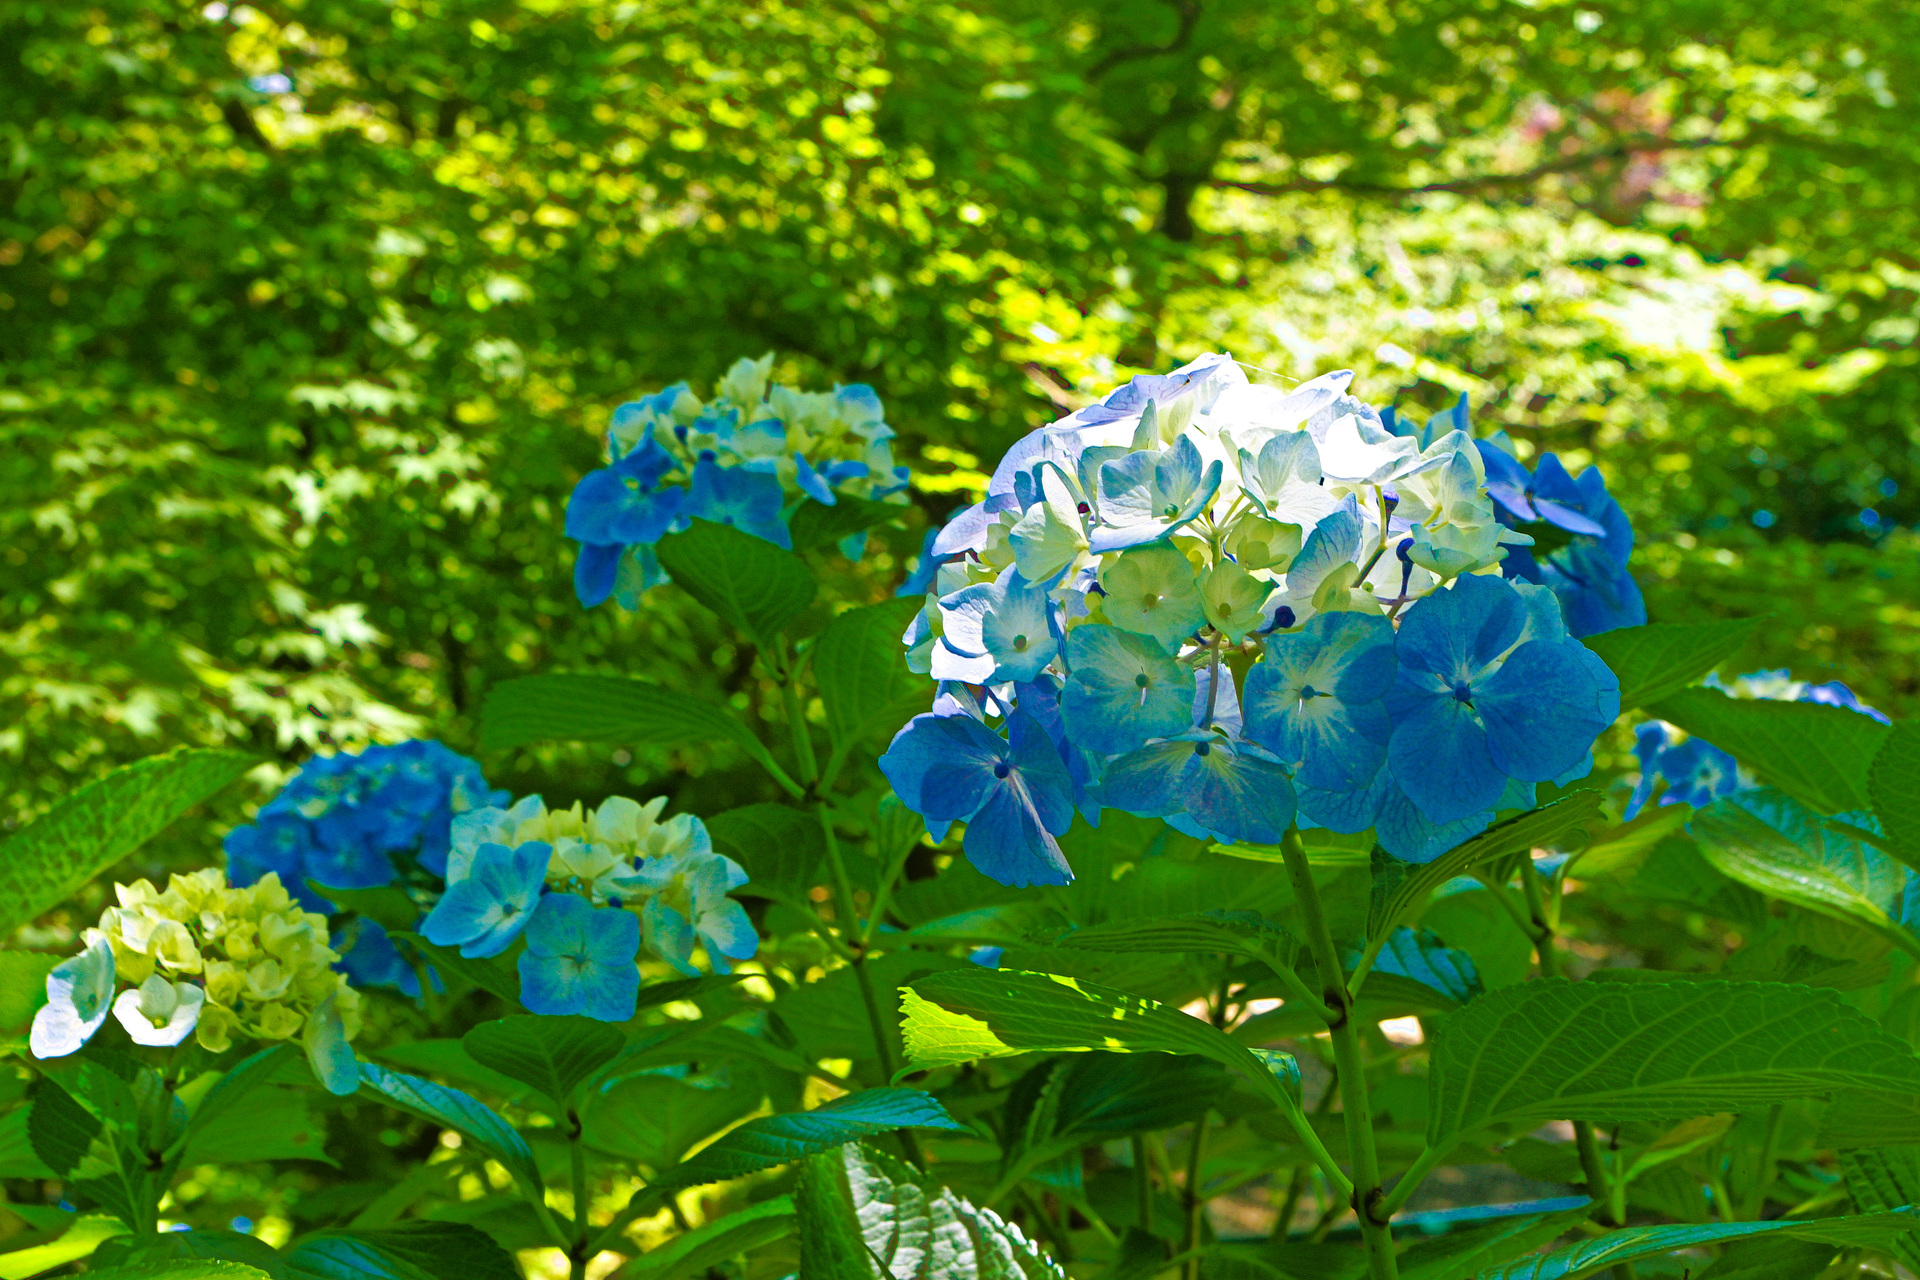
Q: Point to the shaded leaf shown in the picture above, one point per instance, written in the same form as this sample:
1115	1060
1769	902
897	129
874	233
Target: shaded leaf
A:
696	1252
771	1140
590	708
1885	1178
1662	658
816	525
751	584
1893	783
1421	959
493	974
1622	1051
1636	1243
553	1054
192	1246
1472	1250
454	1110
1817	754
405	1251
653	1119
782	849
49	859
862	674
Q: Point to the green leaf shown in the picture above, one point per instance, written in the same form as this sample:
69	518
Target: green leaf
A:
387	905
404	1251
81	1240
23	987
454	1110
654	1120
553	1054
1620	846
60	1129
955	1017
773	1140
248	1115
782	849
1661	658
1817	754
191	1246
815	525
448	1058
863	1214
44	863
1893	782
240	1081
1231	933
493	974
1883	1179
1429	967
18	1159
862	674
590	708
1545	826
1624	1051
1770	1258
1768	841
1636	1243
1871	1118
181	1269
696	1253
1471	1251
753	585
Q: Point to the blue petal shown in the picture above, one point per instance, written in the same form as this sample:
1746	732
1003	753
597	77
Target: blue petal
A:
1544	707
594	573
1236	794
580	960
813	484
747	500
485	912
1456	633
942	766
1407	834
1145	496
1123	689
1315	700
1438	755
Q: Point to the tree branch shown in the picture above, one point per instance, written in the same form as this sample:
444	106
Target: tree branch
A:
1189	11
1565	164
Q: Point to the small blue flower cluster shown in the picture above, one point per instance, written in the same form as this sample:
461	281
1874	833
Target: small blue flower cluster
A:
1238	609
343	817
1587	570
1696	772
746	458
583	888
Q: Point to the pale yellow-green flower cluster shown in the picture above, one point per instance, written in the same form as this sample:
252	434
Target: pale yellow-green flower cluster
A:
265	963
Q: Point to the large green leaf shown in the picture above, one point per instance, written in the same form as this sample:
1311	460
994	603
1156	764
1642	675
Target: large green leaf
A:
180	1269
192	1246
404	1251
553	1054
862	674
773	1140
1820	755
1623	1051
455	1110
252	1114
590	708
1871	1118
80	1240
752	584
1893	783
1884	1178
23	987
1636	1243
782	849
1472	1250
816	525
864	1215
1771	842
1662	658
698	1252
653	1119
955	1017
98	825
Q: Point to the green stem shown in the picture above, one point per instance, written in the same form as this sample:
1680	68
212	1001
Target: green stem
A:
1763	1173
577	1157
1142	1183
1410	1181
1337	1007
1213	679
642	1202
1190	1196
797	721
1385	516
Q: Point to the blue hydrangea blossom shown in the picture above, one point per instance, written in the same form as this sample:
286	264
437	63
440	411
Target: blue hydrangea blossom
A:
1194	540
746	458
579	960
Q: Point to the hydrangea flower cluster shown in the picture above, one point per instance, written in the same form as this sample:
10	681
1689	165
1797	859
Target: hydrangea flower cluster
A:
1237	608
343	817
1582	538
746	458
1694	771
211	961
584	888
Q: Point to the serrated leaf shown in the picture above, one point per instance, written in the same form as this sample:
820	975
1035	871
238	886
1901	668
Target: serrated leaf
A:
80	1240
23	987
1770	1258
553	1054
192	1246
181	1269
1886	1178
404	1251
951	1018
782	849
45	862
1421	959
751	584
1473	1250
1624	1051
654	1120
452	1109
865	1216
773	1140
275	1123
1636	1243
696	1252
1771	842
816	525
861	672
1893	783
1662	658
1817	754
590	708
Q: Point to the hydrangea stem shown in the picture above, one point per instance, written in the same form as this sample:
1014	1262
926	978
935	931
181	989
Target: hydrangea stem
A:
577	1157
1337	1008
1540	926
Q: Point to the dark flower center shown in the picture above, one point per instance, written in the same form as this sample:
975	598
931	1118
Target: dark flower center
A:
1001	769
1019	644
1141	681
1202	749
1463	693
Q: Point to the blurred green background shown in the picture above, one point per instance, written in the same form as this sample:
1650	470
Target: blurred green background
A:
311	313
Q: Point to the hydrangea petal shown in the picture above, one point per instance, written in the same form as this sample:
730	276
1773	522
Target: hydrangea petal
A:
580	960
1123	689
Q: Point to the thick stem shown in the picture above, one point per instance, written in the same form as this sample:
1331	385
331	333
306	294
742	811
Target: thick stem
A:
577	1157
1337	1009
1142	1183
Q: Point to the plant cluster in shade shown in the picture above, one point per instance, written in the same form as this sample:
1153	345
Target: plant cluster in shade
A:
209	960
1688	770
746	458
1241	608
